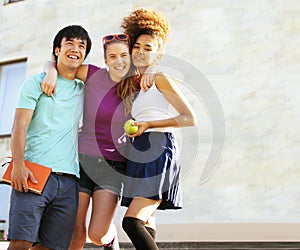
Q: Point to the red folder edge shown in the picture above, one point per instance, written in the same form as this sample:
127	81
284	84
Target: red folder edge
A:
40	172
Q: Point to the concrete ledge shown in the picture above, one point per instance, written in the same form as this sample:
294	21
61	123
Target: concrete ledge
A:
212	245
225	232
200	245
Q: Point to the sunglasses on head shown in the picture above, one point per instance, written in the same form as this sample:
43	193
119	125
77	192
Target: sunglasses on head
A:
110	38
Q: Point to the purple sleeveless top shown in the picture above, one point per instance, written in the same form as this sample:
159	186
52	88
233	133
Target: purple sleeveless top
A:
102	133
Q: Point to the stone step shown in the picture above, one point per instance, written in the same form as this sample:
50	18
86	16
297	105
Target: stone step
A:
210	245
200	245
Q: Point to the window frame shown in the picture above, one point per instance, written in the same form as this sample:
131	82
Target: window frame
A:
5	2
3	89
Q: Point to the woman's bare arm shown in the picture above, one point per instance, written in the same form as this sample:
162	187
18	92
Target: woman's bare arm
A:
48	84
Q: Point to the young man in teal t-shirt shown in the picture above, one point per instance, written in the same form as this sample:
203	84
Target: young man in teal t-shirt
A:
45	132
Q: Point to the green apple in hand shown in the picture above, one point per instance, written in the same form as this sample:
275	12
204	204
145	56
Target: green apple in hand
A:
129	128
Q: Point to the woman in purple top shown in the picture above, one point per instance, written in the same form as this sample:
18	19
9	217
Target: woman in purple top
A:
101	142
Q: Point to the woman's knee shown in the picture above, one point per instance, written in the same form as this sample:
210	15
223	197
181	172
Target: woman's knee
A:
103	234
131	224
96	236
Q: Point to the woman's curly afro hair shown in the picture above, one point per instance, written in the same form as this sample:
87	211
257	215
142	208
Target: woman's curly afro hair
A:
142	21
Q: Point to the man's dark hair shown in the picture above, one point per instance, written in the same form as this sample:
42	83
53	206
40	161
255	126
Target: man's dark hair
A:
72	31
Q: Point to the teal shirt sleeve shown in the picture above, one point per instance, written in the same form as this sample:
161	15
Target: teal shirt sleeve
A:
30	92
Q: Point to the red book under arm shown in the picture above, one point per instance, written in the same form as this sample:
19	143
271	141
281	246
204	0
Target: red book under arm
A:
40	172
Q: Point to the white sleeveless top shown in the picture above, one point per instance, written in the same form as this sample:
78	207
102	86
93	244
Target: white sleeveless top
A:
152	106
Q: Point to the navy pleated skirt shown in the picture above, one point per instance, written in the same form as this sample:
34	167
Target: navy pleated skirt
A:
153	170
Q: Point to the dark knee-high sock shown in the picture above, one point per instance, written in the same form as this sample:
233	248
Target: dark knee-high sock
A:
151	231
138	234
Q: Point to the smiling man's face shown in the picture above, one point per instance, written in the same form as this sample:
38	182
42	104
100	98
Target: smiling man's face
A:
71	54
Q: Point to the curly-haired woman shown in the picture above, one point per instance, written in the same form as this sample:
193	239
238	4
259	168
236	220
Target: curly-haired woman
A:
152	173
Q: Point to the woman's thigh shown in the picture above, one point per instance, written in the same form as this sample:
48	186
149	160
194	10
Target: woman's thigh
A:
142	208
103	209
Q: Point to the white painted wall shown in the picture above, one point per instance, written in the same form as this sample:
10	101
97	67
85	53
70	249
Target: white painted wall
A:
249	53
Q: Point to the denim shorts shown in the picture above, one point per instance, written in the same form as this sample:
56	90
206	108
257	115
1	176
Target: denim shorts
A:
47	219
97	173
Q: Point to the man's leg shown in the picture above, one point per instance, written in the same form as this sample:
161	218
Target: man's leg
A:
79	233
59	218
39	247
19	245
25	214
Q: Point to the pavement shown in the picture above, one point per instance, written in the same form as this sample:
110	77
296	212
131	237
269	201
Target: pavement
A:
201	245
3	245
